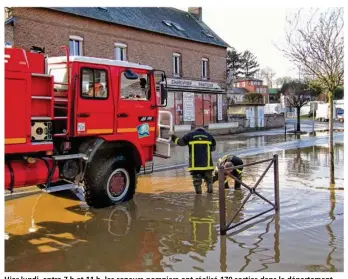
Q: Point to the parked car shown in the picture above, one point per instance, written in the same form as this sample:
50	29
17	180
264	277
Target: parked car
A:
340	115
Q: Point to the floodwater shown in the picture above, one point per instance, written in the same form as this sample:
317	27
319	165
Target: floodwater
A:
178	154
166	227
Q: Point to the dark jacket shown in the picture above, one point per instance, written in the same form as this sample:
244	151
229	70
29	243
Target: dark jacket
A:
201	144
236	161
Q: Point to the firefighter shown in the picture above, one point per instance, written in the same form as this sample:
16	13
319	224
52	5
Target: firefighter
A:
228	161
200	144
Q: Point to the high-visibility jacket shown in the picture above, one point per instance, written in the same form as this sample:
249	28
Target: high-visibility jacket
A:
201	144
236	161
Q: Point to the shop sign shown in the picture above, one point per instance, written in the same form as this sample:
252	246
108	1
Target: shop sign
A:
219	106
185	83
189	106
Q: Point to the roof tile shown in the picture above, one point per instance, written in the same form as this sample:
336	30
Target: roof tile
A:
151	19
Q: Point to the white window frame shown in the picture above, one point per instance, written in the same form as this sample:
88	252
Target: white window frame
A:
123	51
178	57
205	74
76	39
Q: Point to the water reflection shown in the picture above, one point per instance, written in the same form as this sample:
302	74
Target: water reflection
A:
169	228
257	249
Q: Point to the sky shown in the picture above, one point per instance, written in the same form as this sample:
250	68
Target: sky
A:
253	29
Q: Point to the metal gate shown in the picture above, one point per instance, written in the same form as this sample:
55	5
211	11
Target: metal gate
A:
224	227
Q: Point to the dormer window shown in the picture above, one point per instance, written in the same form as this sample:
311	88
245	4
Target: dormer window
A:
208	34
173	24
177	26
167	22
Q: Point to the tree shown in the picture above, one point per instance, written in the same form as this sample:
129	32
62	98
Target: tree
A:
282	80
253	98
249	64
234	64
296	95
316	44
339	93
268	74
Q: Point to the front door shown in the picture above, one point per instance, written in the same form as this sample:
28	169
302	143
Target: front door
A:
135	113
95	106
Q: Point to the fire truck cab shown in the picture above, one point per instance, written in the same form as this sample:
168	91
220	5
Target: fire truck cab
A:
75	121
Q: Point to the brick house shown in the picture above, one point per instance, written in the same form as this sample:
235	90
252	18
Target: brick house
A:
179	42
253	85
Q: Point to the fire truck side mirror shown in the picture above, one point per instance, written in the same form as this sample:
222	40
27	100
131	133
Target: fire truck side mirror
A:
164	93
163	88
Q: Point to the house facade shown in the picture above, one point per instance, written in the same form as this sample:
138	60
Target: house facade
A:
178	42
253	85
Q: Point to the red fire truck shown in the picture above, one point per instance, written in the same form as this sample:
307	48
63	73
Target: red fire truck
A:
75	121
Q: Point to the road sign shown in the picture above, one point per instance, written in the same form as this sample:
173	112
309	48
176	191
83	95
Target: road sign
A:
313	106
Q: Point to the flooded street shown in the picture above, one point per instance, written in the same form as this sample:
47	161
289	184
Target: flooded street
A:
167	227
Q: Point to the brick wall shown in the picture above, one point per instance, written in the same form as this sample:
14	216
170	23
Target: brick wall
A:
51	29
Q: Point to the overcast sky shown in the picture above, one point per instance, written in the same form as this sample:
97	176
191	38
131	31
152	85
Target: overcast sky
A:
255	29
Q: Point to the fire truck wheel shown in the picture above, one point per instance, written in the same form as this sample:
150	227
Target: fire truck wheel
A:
109	182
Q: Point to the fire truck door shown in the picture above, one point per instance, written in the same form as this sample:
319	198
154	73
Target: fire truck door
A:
135	113
95	106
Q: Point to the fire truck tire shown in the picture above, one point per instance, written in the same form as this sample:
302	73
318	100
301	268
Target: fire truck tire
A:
109	181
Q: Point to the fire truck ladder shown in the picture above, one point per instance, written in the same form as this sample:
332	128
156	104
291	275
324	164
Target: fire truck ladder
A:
61	116
62	102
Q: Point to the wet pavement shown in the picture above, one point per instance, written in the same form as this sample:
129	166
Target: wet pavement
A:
166	227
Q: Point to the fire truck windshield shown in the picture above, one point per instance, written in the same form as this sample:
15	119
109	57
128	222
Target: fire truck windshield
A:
135	88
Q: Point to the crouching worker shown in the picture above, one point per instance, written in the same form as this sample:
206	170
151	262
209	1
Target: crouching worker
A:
201	167
229	161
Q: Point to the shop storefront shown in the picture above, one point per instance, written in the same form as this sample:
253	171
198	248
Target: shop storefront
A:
198	102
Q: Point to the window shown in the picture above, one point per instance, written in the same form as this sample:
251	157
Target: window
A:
121	52
177	26
75	45
176	64
167	22
94	84
243	84
208	34
60	75
205	68
137	88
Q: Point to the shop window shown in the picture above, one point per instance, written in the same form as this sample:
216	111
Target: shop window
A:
94	84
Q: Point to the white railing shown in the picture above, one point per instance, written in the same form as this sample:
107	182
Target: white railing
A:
161	125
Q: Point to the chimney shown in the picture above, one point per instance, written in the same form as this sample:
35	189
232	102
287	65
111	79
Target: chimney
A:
196	12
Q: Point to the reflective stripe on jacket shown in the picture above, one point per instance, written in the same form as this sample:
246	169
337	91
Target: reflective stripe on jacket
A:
236	161
200	144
